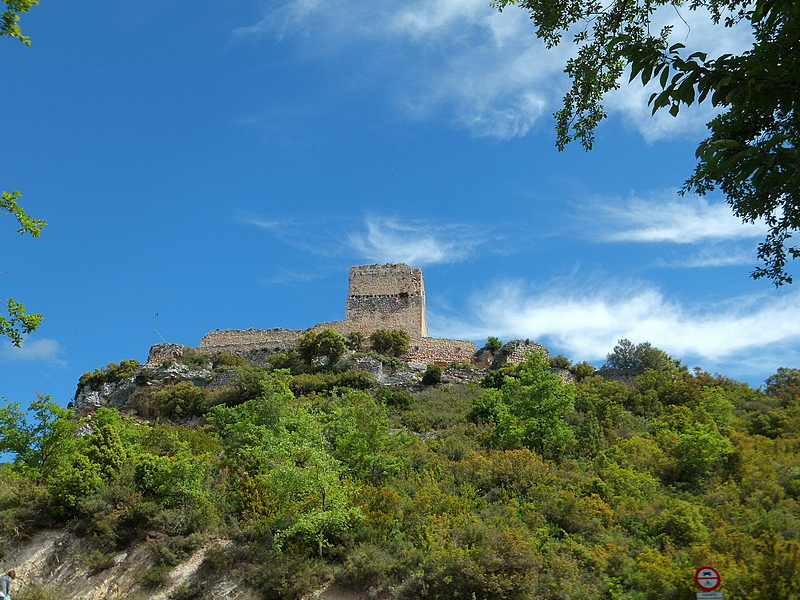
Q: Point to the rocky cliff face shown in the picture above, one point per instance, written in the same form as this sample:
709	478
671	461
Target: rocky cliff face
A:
58	561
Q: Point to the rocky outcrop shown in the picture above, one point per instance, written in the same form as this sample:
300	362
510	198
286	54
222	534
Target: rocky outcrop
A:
58	560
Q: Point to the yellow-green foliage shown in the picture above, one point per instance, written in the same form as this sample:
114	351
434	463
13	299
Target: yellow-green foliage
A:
532	489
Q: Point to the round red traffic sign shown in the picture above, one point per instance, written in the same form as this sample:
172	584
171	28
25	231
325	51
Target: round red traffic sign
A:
707	579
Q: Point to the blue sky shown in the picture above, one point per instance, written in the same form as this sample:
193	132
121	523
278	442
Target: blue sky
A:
222	165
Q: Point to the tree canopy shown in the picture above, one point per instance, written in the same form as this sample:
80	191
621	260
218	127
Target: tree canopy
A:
751	153
17	322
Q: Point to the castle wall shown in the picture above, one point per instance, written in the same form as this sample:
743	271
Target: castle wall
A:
390	296
438	351
249	337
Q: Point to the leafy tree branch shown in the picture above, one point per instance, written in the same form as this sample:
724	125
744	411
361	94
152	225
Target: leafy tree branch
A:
751	154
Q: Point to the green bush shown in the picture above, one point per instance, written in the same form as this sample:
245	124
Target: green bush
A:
223	361
180	400
391	342
355	341
109	374
493	344
560	362
358	380
193	358
581	370
394	396
328	344
433	375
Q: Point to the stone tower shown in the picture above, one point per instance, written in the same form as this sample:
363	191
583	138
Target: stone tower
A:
390	296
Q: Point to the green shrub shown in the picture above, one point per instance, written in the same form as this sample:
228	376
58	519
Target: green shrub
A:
328	344
109	374
493	344
387	361
433	375
223	361
560	362
394	396
581	370
391	342
309	383
180	400
193	358
459	365
144	377
355	341
35	591
288	360
98	561
358	380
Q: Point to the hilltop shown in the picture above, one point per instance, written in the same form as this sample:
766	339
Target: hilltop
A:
336	467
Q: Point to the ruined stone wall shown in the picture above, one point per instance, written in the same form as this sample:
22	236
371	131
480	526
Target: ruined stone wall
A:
390	296
249	337
439	351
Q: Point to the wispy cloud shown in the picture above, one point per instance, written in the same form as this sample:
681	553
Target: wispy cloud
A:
484	69
415	242
667	217
42	350
586	320
257	221
722	255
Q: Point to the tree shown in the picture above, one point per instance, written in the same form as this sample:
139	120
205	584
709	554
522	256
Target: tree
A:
391	342
9	20
529	411
18	322
328	344
751	154
627	355
39	438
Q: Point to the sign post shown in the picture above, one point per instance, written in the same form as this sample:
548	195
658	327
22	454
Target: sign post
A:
708	579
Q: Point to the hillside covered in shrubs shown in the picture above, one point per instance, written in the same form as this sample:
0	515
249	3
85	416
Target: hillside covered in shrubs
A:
516	485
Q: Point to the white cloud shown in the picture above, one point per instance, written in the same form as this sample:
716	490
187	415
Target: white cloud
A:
714	256
586	320
44	350
667	217
485	69
414	242
257	221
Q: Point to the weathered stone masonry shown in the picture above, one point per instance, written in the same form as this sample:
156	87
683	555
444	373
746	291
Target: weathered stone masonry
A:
390	296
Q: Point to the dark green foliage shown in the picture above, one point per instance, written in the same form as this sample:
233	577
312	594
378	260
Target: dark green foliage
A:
785	384
304	384
533	489
493	344
394	397
432	375
560	362
391	342
327	344
180	400
581	370
627	355
223	361
109	374
357	380
355	341
290	360
496	378
751	151
529	411
194	358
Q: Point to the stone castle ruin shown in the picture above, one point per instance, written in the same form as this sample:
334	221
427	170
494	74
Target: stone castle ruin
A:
390	296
